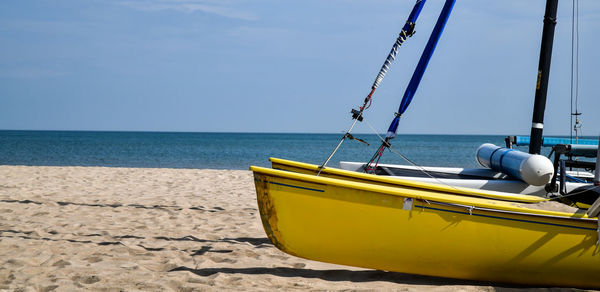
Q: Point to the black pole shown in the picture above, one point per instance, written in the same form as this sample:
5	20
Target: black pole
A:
541	89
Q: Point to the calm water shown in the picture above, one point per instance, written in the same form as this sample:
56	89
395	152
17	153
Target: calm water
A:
224	150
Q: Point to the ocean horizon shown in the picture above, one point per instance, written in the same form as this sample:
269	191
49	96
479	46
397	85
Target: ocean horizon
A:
226	150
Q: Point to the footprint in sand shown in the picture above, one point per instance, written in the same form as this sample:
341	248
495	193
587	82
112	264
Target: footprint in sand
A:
86	279
7	279
15	263
93	259
61	264
48	288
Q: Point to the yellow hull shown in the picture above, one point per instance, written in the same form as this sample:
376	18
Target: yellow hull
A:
425	231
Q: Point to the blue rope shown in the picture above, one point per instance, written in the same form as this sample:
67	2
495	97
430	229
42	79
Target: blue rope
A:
420	70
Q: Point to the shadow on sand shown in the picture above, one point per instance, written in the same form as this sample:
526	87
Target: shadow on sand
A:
343	275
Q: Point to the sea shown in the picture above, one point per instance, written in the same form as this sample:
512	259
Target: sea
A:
227	150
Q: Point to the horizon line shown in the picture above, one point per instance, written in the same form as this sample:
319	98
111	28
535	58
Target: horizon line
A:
269	132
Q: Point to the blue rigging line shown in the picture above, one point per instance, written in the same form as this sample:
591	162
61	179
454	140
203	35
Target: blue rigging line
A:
422	65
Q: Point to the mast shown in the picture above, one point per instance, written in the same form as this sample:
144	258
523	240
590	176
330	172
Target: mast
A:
541	89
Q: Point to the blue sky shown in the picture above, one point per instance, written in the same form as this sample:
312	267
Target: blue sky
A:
284	66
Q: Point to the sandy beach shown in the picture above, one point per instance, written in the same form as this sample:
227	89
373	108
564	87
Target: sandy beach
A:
99	228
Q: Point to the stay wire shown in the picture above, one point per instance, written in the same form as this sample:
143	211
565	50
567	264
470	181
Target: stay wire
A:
576	128
571	129
577	57
559	196
408	30
580	131
420	168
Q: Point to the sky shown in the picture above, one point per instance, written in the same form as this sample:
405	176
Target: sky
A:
286	66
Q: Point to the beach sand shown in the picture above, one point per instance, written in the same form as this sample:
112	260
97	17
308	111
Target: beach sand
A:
99	228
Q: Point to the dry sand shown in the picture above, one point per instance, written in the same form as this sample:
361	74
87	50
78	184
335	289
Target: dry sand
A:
74	228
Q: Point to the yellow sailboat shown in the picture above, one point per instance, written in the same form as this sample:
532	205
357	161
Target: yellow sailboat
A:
409	226
422	230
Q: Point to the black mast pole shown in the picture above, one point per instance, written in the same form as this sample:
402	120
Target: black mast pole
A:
541	89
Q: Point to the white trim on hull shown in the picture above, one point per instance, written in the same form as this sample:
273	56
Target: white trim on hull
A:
497	181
